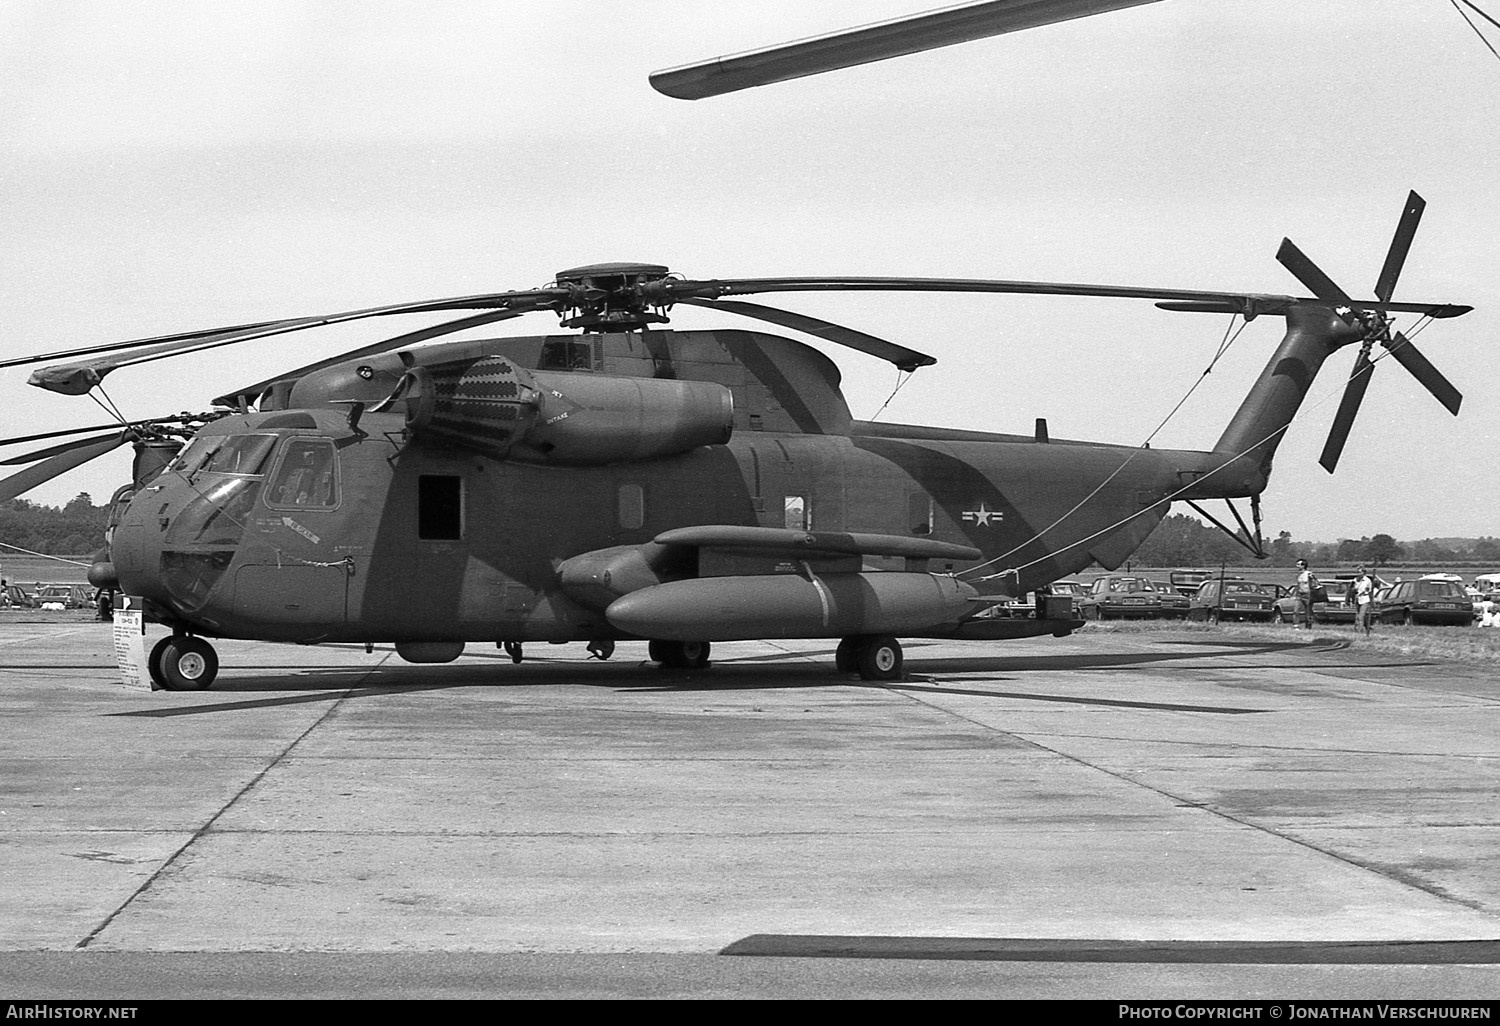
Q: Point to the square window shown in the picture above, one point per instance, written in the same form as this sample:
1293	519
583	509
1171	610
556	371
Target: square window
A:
440	507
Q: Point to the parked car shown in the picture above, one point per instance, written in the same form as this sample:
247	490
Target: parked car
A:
16	597
1120	596
1187	582
1425	600
1238	600
1336	610
63	596
1075	588
1174	604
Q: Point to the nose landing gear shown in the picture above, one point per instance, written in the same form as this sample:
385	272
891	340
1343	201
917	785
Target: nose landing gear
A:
183	663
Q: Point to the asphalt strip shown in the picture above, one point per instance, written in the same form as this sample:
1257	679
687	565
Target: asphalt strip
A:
1031	949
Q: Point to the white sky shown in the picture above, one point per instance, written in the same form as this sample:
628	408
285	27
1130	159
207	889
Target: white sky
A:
169	165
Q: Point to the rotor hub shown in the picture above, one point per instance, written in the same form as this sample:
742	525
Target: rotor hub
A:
611	296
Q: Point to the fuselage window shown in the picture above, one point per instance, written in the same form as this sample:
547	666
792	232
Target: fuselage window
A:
798	516
307	476
919	513
440	507
567	354
632	506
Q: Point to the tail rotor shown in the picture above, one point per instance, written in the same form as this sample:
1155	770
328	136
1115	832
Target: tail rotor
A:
1377	329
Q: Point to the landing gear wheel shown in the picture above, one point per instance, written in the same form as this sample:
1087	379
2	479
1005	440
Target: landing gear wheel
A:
680	655
601	649
187	663
153	663
846	657
880	659
513	649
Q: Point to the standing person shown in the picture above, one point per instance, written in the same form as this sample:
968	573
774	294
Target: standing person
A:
1362	591
1307	583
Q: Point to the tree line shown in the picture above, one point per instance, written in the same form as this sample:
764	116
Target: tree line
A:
1182	540
76	529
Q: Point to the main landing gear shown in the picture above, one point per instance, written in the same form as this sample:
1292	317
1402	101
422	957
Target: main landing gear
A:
181	662
679	655
873	657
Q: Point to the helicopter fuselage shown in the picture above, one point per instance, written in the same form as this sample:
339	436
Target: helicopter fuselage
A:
313	523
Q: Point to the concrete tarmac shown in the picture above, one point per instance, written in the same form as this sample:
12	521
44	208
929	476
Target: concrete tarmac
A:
1113	815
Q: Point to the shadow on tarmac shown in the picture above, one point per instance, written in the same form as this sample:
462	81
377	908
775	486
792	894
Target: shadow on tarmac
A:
294	685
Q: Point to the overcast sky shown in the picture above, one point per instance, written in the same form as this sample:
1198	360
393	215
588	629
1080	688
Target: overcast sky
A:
170	165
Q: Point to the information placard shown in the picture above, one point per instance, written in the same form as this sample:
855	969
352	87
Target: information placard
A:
130	649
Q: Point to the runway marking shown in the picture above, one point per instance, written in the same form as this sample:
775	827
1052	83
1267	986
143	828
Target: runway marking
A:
1181	801
1028	949
208	823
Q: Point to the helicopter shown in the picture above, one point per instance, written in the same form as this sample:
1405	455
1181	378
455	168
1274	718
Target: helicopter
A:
626	481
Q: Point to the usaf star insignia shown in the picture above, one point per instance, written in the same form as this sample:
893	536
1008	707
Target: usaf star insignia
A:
981	517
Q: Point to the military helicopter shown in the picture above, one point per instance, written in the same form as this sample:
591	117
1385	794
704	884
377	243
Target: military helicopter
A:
628	481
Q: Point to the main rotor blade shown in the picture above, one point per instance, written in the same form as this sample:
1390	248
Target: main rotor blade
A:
73	431
671	290
894	38
1354	394
666	291
109	347
1431	378
904	358
78	378
56	450
252	392
41	473
1309	274
1400	244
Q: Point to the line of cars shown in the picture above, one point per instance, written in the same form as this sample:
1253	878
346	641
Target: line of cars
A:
1212	597
46	596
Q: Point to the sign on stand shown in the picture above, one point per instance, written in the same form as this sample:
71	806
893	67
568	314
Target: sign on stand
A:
130	649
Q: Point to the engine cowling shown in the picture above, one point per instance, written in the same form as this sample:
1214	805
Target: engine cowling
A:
493	406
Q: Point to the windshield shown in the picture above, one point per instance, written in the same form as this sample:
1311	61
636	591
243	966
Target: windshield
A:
1130	584
1439	589
1245	588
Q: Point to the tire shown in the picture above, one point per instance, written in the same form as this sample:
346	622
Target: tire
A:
1282	617
188	664
680	655
880	658
153	663
846	657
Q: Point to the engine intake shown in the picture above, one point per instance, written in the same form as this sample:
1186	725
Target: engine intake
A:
495	407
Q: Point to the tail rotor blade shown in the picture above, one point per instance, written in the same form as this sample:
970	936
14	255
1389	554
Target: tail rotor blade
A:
41	473
1431	378
1400	244
1354	394
1309	274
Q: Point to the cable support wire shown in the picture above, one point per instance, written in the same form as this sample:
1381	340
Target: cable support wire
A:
1231	335
1304	411
44	555
902	377
1470	22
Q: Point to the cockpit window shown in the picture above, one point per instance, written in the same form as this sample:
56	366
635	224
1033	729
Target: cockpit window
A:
307	476
239	454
